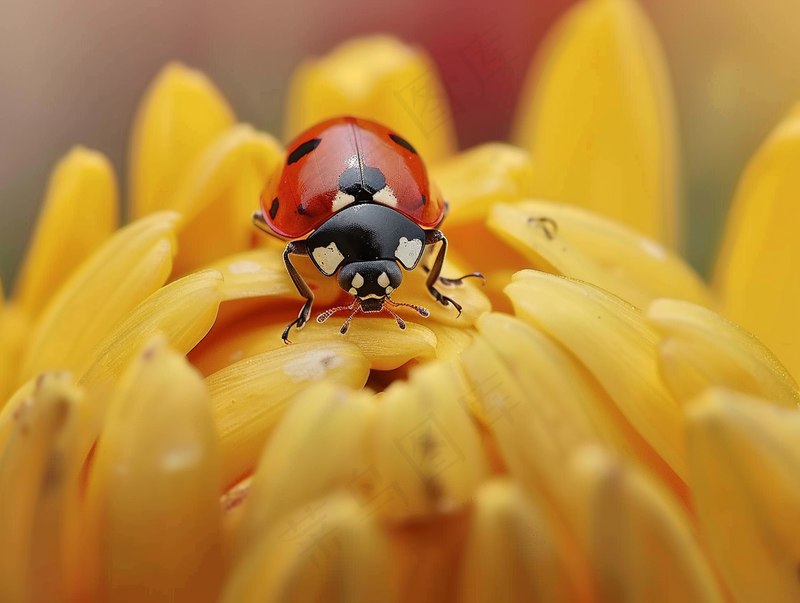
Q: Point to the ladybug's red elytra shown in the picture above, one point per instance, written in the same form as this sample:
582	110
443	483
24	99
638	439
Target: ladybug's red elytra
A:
355	197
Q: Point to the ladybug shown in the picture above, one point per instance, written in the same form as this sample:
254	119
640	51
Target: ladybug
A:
354	197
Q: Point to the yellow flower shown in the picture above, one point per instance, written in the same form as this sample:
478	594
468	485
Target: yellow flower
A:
589	429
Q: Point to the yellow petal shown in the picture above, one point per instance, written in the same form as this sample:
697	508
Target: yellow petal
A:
381	342
616	345
590	248
181	113
597	115
15	404
183	312
641	543
428	456
318	447
757	274
249	396
14	333
542	405
108	285
219	192
79	213
38	479
469	294
701	348
327	551
152	503
475	179
381	79
254	279
512	554
255	273
744	459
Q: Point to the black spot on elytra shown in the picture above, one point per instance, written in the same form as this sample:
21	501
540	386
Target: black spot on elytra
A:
361	183
273	211
301	209
422	201
303	150
403	143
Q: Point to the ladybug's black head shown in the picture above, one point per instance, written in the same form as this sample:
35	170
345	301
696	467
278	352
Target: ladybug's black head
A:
370	281
367	244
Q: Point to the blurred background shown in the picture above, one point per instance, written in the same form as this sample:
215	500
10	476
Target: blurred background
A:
73	71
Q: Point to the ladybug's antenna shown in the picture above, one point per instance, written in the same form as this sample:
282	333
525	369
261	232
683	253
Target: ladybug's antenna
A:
424	312
343	329
400	322
331	311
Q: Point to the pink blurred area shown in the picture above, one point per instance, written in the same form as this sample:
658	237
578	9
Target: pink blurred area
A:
73	71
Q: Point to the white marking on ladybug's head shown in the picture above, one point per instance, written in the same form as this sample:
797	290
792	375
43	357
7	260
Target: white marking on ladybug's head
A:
352	291
342	200
327	258
357	281
389	290
383	280
385	196
408	252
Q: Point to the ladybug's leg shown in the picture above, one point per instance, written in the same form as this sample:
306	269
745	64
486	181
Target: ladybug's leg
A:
431	238
297	248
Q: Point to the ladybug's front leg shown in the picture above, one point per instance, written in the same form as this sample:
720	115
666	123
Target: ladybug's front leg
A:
297	248
431	238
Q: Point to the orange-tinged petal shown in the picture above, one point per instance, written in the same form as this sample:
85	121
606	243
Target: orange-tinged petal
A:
218	194
590	248
183	312
512	554
474	180
598	116
744	458
38	479
641	543
249	396
615	343
181	113
152	503
79	213
125	270
700	349
757	273
318	447
427	451
327	551
108	285
381	79
382	343
14	333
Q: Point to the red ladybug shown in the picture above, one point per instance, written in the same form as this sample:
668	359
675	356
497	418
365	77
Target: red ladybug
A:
354	196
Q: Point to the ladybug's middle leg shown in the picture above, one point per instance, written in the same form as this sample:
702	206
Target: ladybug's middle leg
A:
447	282
297	248
431	238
